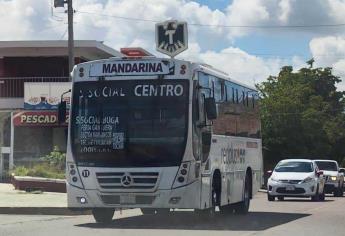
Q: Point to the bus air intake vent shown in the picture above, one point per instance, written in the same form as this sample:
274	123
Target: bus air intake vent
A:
116	200
127	180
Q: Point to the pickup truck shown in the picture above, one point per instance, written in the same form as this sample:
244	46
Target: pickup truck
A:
334	179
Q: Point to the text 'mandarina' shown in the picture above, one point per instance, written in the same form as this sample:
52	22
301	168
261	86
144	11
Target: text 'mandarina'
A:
129	68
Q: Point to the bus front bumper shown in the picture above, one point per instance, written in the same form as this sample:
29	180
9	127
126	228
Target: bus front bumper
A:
186	197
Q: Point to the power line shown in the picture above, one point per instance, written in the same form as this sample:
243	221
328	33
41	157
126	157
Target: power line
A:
221	25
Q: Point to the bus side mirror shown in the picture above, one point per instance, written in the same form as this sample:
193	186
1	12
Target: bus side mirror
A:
211	108
62	112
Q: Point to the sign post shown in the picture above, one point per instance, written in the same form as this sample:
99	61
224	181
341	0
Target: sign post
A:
171	37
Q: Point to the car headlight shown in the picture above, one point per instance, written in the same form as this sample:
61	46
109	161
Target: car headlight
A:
333	178
274	180
307	180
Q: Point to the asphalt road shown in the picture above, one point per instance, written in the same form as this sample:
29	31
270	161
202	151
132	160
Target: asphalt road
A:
290	217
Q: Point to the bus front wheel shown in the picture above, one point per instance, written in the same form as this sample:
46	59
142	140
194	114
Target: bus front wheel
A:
103	215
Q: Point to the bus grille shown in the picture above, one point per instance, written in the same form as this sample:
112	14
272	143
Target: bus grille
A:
139	180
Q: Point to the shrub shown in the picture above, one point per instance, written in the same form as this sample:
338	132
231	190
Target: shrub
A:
21	171
56	159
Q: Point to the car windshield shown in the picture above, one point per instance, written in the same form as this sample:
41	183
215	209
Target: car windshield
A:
327	165
294	166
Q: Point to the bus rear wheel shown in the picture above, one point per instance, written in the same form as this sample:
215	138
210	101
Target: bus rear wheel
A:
103	215
243	207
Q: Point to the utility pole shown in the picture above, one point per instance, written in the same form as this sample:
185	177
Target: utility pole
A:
70	38
70	11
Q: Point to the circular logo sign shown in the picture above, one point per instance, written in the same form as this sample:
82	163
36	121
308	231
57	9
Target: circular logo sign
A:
126	180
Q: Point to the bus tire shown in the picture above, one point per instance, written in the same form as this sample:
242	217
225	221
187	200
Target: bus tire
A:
243	207
227	209
103	215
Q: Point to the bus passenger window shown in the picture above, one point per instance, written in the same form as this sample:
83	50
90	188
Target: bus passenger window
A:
243	98
237	96
233	95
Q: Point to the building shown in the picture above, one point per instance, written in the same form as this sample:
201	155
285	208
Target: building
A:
29	130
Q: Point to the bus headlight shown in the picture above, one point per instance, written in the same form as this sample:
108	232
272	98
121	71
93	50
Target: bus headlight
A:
182	175
72	176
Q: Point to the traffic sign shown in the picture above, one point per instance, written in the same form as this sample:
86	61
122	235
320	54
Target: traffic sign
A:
171	37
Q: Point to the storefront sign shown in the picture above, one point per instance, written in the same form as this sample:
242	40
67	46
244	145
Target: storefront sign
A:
33	118
45	96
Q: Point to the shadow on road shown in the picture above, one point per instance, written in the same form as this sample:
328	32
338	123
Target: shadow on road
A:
302	200
253	221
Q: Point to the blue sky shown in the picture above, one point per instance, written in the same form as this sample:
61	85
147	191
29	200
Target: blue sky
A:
267	44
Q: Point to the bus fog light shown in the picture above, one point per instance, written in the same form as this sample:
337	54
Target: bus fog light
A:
174	200
74	179
180	179
183	172
72	172
82	200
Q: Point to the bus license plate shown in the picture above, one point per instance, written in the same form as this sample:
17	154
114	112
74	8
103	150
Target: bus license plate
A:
127	199
290	188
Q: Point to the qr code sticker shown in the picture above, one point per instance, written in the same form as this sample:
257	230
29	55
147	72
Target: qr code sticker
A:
118	140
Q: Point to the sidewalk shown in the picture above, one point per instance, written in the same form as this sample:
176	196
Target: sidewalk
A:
20	202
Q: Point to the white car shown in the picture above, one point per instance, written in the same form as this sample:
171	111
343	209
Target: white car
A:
296	178
334	179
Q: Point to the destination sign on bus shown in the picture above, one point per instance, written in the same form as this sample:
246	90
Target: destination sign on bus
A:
130	68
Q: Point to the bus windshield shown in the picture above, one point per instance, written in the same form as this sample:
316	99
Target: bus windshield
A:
129	123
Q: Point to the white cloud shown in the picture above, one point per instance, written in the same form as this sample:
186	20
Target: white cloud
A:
237	63
329	52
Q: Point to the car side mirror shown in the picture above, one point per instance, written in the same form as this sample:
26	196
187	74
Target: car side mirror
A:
62	112
269	172
211	108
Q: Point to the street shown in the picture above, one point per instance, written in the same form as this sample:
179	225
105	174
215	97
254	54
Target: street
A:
290	217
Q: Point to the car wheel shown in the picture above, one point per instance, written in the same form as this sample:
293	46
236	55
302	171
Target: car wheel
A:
103	215
341	192
322	196
280	198
316	197
270	198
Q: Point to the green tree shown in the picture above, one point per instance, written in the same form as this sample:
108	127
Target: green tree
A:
302	115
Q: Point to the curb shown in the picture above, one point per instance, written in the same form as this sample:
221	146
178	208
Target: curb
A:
42	211
262	190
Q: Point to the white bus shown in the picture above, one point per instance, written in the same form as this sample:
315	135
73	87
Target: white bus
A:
161	134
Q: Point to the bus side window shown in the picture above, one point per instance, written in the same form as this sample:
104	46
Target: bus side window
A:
243	98
237	100
217	90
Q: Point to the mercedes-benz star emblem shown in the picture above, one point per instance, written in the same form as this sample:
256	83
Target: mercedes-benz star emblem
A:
126	180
